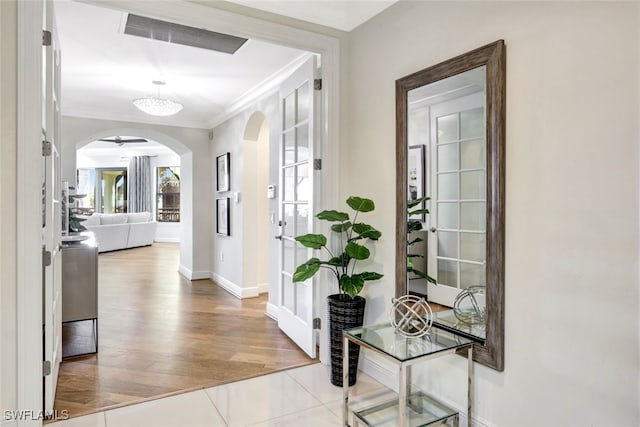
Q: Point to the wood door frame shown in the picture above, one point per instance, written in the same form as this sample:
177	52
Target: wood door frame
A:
28	283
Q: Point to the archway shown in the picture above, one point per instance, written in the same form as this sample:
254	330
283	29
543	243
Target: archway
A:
186	234
255	220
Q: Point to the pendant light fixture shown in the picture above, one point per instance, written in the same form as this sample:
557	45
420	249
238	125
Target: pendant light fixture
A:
157	106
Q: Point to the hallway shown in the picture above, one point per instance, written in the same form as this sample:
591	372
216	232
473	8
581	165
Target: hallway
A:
160	334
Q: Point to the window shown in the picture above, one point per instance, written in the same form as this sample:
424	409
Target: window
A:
105	190
168	194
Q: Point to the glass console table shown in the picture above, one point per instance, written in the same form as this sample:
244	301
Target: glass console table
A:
408	410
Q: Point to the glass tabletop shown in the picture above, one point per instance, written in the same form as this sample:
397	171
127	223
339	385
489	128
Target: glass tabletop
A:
384	338
449	320
421	411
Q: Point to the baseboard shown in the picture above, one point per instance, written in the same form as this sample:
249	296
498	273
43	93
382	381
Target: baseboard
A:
192	275
380	370
272	311
234	289
167	240
386	374
263	288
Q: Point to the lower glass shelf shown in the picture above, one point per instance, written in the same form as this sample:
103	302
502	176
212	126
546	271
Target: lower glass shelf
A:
422	410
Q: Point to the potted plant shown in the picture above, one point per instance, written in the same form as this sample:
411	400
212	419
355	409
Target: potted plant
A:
414	208
346	308
71	223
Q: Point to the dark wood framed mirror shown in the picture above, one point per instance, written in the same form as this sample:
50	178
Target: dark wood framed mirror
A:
454	113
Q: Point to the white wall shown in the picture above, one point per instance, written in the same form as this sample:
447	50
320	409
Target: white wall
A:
229	137
193	147
571	344
255	216
8	192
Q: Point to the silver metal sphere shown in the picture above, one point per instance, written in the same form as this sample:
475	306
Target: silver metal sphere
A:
411	316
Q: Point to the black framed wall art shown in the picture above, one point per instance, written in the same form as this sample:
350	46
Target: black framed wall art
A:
222	216
223	172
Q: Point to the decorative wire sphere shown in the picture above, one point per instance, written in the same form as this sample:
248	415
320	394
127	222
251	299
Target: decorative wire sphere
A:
411	316
466	307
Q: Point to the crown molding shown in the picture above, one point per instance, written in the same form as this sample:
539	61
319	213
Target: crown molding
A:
265	88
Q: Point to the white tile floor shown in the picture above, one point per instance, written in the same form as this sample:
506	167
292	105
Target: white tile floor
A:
298	397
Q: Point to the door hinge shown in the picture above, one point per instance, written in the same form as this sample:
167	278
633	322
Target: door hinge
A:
317	323
46	257
317	84
46	368
46	148
46	38
317	164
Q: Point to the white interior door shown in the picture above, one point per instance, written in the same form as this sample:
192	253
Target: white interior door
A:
295	308
457	161
52	221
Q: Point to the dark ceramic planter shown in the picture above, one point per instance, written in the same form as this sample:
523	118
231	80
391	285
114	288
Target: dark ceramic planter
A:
344	313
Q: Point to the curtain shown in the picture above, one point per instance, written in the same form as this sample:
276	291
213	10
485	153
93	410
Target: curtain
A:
140	184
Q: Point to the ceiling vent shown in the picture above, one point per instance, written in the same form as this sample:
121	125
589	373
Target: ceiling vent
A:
181	34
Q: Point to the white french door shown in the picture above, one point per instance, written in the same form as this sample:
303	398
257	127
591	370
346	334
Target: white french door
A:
52	220
457	163
295	308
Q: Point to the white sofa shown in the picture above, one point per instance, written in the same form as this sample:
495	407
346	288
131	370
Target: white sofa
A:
121	231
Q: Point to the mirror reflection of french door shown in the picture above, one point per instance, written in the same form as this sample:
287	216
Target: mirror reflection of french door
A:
456	223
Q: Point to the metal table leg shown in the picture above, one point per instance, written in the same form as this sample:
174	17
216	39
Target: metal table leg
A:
345	381
470	386
402	396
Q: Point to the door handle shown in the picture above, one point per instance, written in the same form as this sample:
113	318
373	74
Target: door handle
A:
433	229
279	237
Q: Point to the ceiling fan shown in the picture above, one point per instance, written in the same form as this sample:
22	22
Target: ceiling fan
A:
120	141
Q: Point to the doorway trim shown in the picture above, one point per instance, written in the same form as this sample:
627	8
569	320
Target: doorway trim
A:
29	295
28	283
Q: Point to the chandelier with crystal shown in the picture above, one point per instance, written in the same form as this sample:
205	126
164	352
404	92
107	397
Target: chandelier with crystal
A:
157	106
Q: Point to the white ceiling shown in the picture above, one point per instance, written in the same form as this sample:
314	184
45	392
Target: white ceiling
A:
105	149
343	15
103	69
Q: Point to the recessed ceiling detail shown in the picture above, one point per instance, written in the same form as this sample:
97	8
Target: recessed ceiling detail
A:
181	34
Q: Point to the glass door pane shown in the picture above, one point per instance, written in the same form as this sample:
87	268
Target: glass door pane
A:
460	193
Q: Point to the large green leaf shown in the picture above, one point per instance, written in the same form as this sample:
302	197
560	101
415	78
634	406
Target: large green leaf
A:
371	276
341	228
351	285
333	216
418	212
360	204
366	231
314	241
416	240
307	270
416	202
421	274
357	251
413	225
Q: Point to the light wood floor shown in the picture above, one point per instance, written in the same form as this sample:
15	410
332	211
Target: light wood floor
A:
160	334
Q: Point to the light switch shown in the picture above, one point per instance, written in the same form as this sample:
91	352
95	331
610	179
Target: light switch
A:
271	191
